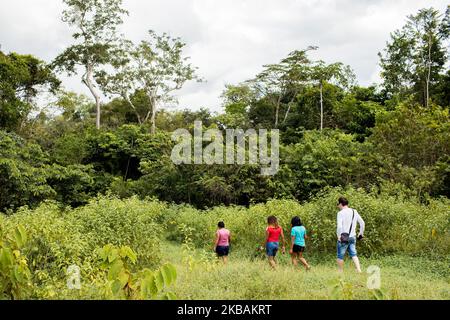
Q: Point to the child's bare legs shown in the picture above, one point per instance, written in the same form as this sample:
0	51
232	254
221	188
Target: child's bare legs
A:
294	258
340	264
225	260
272	262
303	261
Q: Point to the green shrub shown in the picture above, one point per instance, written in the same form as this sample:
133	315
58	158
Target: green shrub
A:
121	283
128	222
14	272
55	242
62	237
393	225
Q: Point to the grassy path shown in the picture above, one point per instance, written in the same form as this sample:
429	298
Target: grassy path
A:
200	277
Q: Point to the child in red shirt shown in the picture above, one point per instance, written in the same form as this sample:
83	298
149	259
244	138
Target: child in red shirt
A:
273	233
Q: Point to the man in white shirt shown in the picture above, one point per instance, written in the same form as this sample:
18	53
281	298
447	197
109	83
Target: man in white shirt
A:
347	218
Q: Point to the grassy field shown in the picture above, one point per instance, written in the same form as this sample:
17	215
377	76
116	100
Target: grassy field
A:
42	243
201	277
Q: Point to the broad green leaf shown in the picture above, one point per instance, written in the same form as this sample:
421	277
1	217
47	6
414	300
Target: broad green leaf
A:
6	258
105	252
129	253
115	270
123	277
116	286
145	287
18	274
169	274
159	280
20	236
173	272
152	285
335	293
113	255
166	275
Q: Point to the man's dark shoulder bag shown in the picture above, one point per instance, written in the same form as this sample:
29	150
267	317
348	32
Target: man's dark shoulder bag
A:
346	236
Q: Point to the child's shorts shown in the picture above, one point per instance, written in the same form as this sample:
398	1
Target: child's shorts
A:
272	248
298	249
222	251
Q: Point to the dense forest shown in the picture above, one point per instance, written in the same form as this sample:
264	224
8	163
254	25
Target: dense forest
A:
394	136
390	139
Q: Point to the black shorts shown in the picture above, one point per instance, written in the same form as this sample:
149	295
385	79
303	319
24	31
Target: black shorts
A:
222	251
298	249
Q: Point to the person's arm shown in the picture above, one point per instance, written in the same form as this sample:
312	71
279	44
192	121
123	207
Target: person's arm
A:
339	226
291	251
306	236
284	241
267	237
362	225
229	239
216	242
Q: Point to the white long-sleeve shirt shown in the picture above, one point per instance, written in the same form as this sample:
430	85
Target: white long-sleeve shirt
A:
344	220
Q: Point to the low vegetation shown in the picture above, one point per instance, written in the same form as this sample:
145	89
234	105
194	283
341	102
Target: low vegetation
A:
116	243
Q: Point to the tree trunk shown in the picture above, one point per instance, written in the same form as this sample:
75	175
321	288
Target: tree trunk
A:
289	107
127	98
151	111
321	106
287	113
429	73
153	118
89	83
277	111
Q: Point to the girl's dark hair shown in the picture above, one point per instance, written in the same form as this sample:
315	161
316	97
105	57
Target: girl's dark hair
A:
273	220
221	225
296	222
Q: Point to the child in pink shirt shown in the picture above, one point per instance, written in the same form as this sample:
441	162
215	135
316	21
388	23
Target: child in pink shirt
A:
222	243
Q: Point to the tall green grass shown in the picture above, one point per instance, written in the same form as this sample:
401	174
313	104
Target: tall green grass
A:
402	278
392	225
60	237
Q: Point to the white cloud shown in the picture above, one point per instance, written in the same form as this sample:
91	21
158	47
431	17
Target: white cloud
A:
229	40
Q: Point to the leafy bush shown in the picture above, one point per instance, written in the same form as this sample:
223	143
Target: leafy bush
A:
14	272
121	283
393	225
73	184
62	237
27	178
328	158
128	222
54	243
412	135
22	173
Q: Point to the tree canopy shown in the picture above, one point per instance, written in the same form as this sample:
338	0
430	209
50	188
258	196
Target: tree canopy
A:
334	132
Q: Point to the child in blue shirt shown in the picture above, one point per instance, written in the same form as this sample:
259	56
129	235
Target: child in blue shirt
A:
298	235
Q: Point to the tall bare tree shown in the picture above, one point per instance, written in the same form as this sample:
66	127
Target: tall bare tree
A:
283	80
416	55
336	72
156	67
96	25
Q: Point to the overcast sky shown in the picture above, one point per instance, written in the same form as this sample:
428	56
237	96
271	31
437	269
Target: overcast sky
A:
229	40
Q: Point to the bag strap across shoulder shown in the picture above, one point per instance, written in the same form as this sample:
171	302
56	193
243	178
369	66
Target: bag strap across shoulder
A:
351	226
